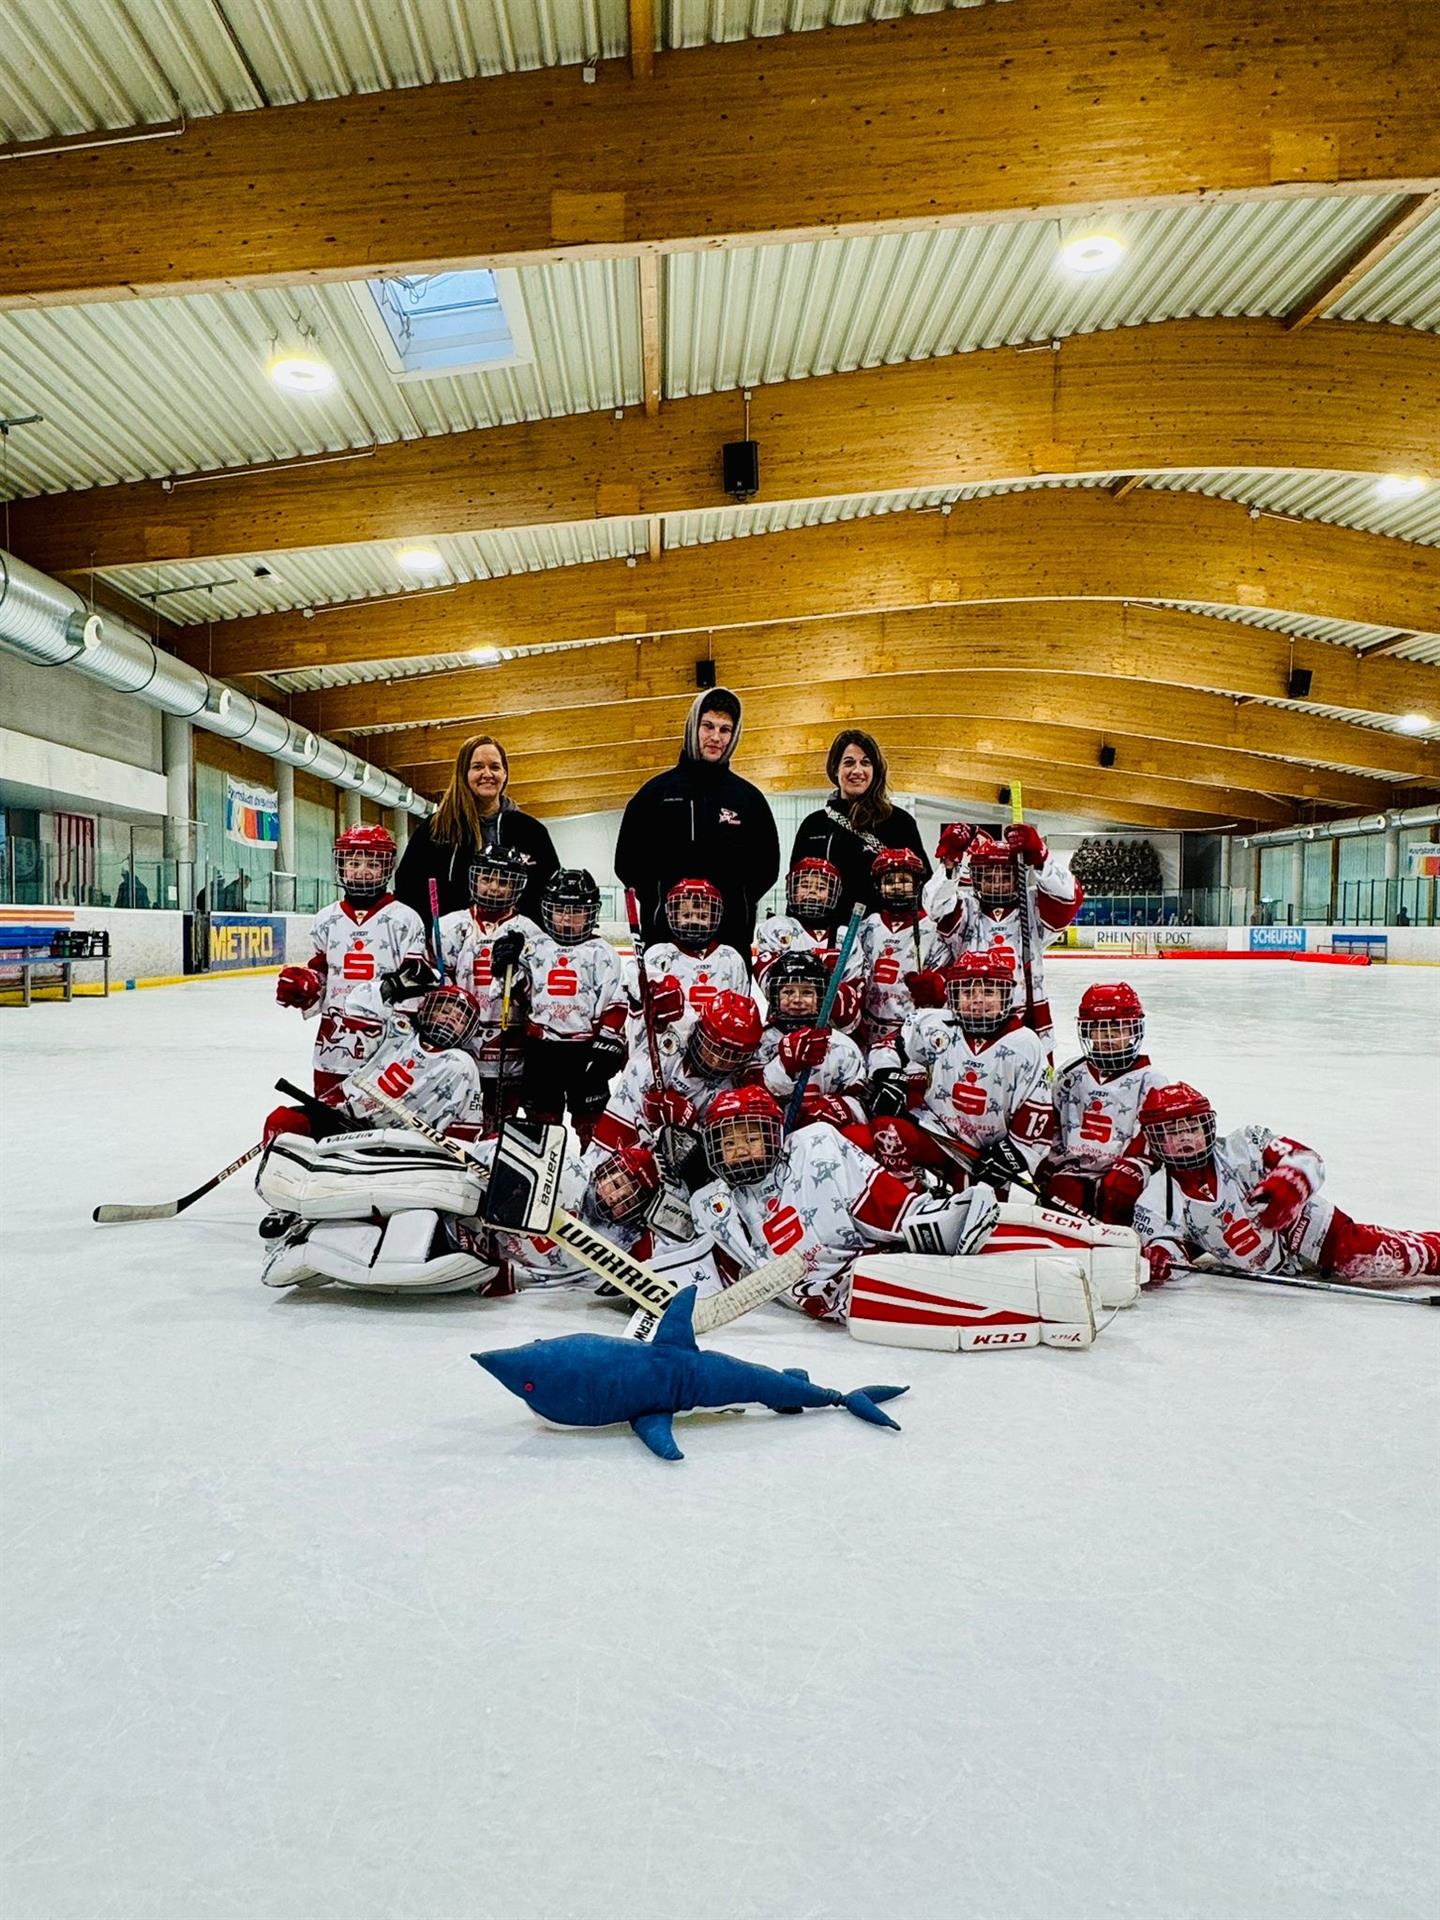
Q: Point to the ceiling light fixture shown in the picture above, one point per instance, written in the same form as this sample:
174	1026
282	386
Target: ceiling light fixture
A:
484	653
1413	722
1092	253
1400	486
421	561
301	372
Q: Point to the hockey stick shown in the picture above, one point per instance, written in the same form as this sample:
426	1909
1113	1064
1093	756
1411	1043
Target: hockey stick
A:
832	987
664	1137
1313	1286
435	928
110	1216
650	1291
1017	819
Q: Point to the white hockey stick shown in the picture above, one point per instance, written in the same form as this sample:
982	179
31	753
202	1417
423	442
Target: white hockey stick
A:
651	1292
167	1209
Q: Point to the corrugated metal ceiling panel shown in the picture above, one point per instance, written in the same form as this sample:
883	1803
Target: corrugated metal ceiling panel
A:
691	23
1404	288
309	679
1380	722
145	389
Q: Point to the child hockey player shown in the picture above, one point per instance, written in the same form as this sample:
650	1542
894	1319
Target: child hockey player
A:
691	967
897	943
793	1040
477	946
364	936
1006	913
719	1051
1252	1201
575	1039
1099	1162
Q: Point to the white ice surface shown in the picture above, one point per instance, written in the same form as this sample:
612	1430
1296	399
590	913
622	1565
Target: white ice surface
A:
306	1619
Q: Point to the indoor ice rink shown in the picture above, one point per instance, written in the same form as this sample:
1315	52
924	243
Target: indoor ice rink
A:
696	580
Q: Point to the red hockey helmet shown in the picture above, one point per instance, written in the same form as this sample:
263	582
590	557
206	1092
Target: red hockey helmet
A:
1111	1025
979	990
725	1036
625	1182
364	862
812	892
994	874
1179	1124
693	912
897	873
447	1017
742	1135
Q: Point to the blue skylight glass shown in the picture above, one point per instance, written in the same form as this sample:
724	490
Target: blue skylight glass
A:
445	322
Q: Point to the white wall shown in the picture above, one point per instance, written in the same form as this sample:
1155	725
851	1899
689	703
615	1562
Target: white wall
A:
53	703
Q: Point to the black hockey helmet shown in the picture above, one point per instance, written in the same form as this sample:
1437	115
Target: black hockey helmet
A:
795	968
497	880
570	905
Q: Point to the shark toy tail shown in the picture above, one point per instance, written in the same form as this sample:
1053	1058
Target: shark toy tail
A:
862	1404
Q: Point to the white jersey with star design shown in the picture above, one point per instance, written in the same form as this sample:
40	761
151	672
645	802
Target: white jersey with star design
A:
1097	1119
623	1123
467	942
783	933
841	1071
979	1092
353	951
1049	903
438	1085
576	987
1209	1213
888	951
701	976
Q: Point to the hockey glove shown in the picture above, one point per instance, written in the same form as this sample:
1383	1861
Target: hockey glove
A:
1277	1201
888	1093
845	1008
954	843
1119	1188
1002	1162
1022	839
604	1061
667	1001
806	1047
299	987
668	1109
409	980
1161	1262
927	989
505	952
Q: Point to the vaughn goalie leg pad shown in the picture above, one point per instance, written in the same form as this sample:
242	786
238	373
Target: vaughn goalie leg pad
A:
1109	1255
354	1175
971	1303
408	1253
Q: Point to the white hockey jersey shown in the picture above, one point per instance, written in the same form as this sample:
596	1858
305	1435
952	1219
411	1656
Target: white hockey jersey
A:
1051	906
466	942
824	1197
783	933
575	988
841	1071
1097	1121
888	951
438	1085
624	1122
352	952
1208	1213
979	1092
701	975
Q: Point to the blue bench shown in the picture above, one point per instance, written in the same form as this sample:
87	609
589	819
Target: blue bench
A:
53	952
1375	945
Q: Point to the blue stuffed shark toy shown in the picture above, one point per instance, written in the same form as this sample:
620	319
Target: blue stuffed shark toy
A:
594	1380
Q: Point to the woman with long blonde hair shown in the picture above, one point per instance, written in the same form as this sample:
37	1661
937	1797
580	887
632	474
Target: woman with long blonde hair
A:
475	813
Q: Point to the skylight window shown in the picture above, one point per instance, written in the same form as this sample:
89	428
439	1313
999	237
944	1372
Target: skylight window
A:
431	325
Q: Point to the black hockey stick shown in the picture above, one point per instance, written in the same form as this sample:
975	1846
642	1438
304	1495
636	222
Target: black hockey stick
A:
109	1216
1313	1286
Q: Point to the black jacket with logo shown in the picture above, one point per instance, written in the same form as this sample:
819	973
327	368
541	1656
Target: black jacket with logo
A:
820	837
699	821
448	863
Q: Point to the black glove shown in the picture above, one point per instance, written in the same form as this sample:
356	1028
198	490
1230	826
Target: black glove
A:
888	1093
409	980
506	952
1000	1163
606	1057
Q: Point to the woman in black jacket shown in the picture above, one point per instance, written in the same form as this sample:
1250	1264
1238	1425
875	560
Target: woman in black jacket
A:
474	813
857	821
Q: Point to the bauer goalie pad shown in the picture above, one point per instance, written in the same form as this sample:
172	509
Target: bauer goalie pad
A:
971	1303
524	1190
351	1176
408	1253
1109	1255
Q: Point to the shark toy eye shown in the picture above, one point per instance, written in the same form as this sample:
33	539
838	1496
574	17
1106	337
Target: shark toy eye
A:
529	1386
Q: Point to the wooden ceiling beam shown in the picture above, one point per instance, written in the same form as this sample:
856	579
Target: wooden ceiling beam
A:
1061	543
935	120
1363	258
1135	644
1217	393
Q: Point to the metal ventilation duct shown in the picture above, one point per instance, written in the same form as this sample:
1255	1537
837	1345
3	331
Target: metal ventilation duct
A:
50	626
1344	829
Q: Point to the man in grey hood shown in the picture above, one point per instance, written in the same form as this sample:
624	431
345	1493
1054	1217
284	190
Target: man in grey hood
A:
700	820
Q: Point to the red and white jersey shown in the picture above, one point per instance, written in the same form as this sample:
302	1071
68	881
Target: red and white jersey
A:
466	943
701	975
889	949
824	1197
783	933
438	1085
980	1091
841	1071
1097	1118
352	951
1053	903
624	1124
1203	1210
575	989
531	1259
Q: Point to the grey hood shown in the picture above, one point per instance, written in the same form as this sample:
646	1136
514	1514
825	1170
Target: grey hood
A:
716	700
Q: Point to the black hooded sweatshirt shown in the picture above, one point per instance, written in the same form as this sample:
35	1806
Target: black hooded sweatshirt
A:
700	820
425	859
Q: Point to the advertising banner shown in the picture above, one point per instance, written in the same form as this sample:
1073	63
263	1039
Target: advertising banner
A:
245	940
252	814
1277	939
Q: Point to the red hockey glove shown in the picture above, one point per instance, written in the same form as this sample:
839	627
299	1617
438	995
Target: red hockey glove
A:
845	1008
668	1109
804	1048
284	1120
1161	1262
1278	1198
299	987
667	1000
1120	1187
927	989
1025	841
818	1109
954	844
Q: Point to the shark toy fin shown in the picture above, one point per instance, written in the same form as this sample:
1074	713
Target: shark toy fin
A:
797	1373
677	1324
654	1430
862	1404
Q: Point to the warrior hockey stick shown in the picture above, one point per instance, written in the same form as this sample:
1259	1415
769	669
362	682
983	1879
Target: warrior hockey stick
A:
1314	1286
1017	819
650	1291
832	987
167	1209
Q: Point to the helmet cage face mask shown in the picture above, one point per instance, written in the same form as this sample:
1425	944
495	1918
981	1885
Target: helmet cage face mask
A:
899	890
364	872
1182	1141
620	1194
495	887
446	1017
980	1004
996	883
741	1148
795	1003
1112	1043
712	1057
569	921
812	892
693	914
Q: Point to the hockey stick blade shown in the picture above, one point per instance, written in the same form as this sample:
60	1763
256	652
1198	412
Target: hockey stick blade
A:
719	1309
109	1216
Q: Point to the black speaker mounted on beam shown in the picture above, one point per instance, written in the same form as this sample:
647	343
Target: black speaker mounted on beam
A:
1300	679
740	468
1003	796
1107	756
704	674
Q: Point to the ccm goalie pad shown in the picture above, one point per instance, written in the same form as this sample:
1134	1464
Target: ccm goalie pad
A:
351	1176
408	1253
1109	1255
970	1303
